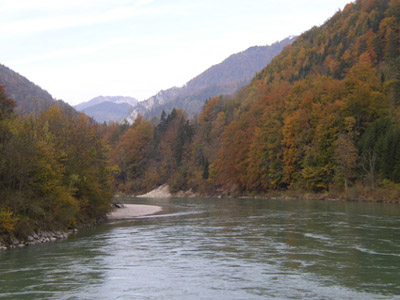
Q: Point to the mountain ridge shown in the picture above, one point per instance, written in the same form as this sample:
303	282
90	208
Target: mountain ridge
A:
99	99
107	108
29	97
223	78
323	117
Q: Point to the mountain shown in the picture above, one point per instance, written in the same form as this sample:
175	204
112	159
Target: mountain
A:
114	99
323	115
108	111
224	78
29	97
109	108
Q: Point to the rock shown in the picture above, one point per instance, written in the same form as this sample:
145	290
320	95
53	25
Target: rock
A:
36	238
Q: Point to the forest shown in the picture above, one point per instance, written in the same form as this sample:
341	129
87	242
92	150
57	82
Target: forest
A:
54	171
323	118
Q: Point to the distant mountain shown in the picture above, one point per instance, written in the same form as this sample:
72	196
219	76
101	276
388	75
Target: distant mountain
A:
224	78
107	108
29	97
108	111
101	99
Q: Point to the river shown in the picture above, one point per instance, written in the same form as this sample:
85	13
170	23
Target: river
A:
219	249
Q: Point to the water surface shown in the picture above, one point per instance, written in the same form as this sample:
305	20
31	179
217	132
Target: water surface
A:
219	249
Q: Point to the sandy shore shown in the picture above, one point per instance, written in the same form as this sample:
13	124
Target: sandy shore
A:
133	210
161	192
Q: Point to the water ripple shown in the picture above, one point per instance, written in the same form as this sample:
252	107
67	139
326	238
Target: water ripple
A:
219	249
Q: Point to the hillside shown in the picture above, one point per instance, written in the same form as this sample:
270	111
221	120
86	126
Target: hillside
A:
224	78
53	172
325	113
29	97
323	116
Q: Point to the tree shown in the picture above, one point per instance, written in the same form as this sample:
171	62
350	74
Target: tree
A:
131	155
372	146
7	105
346	158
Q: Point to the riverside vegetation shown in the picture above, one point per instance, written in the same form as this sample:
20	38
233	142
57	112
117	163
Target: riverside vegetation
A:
53	171
323	117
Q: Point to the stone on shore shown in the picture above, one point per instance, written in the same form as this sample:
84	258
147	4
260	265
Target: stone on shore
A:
36	238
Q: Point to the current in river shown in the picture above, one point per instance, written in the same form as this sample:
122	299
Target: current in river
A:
219	249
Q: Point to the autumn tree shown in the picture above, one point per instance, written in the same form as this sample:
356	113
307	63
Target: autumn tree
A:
131	155
346	158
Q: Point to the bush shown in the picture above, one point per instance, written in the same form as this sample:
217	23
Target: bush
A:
7	221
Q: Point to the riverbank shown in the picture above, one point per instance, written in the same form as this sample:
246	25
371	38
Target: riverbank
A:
163	192
160	192
353	194
128	211
389	193
40	237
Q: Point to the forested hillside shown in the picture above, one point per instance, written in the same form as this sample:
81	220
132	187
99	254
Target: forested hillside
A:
53	171
323	116
29	97
325	112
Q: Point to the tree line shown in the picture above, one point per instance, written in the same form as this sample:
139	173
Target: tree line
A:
54	171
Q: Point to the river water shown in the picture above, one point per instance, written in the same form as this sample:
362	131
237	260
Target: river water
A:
219	249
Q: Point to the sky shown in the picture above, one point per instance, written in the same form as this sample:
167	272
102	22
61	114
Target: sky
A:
80	49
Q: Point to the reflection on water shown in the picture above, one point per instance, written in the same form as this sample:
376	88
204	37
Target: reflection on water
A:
220	249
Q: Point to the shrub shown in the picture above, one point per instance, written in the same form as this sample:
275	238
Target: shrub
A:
7	221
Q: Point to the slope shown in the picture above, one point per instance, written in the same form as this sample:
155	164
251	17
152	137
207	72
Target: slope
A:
224	78
29	97
324	114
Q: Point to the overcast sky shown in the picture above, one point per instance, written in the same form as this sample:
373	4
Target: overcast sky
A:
80	49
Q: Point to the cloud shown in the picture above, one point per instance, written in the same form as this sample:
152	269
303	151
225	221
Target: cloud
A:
58	20
88	49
